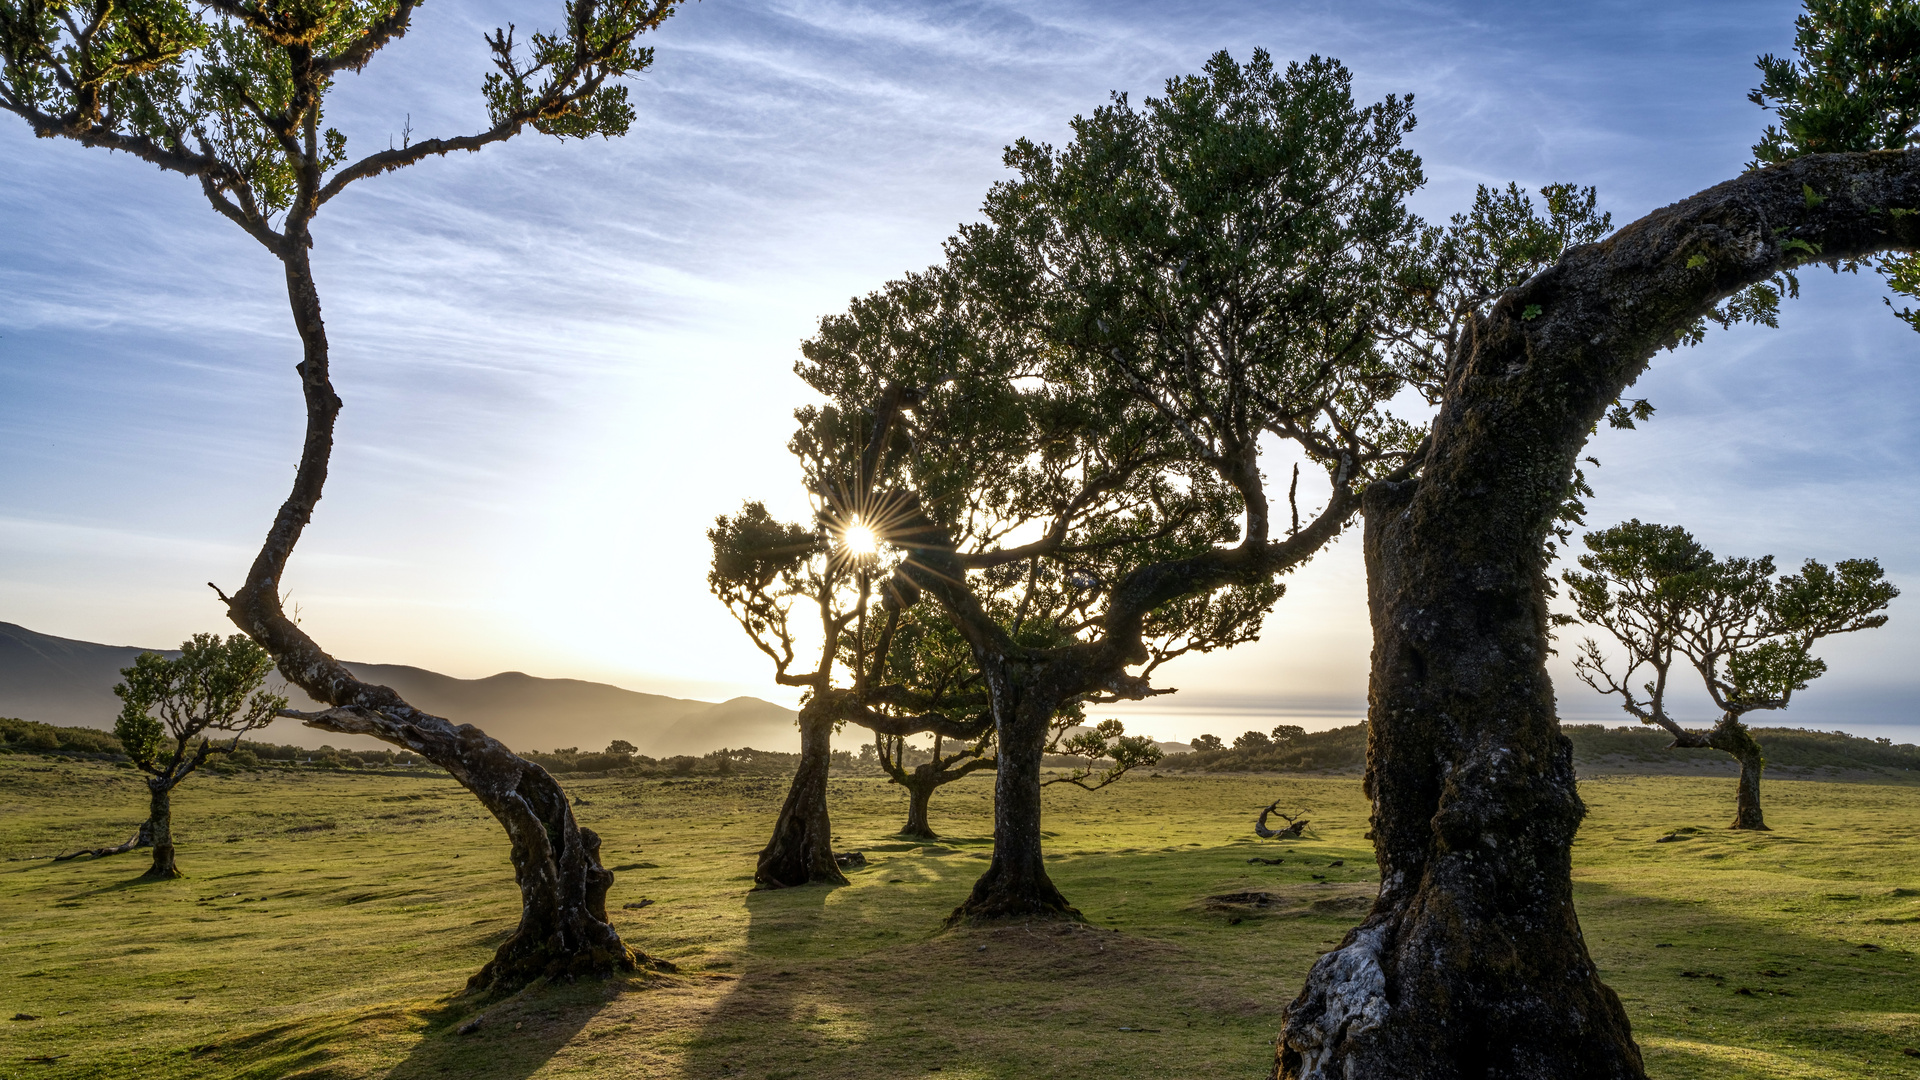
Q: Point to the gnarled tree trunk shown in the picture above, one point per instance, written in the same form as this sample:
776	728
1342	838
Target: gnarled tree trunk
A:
159	828
920	787
1016	884
1471	963
801	850
564	931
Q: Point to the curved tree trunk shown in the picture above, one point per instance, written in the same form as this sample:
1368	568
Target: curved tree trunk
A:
159	829
1733	737
1471	963
1016	885
1747	813
801	850
564	930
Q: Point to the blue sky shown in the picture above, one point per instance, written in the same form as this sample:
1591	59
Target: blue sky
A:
560	361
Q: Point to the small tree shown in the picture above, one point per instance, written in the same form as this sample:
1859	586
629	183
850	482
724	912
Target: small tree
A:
167	704
231	94
1663	598
923	778
1108	742
768	573
1207	743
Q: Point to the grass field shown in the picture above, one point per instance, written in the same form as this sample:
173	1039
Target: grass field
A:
328	921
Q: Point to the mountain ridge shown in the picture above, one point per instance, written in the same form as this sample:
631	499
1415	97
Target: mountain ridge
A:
65	681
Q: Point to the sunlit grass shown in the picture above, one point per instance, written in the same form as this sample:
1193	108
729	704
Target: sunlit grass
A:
338	951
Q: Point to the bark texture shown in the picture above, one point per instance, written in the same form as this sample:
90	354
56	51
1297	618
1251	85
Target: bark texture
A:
564	931
919	802
159	828
1016	885
801	850
1471	963
1732	736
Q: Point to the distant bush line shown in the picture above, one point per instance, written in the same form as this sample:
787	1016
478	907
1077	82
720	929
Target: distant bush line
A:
1340	749
1789	747
1345	748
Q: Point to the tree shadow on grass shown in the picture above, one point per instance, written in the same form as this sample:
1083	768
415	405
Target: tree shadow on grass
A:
865	983
138	881
1742	986
505	1039
786	1013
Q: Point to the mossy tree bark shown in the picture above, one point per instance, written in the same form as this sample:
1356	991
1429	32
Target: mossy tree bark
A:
158	830
801	850
1471	963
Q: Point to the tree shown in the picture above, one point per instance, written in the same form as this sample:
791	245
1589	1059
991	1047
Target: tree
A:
1662	596
1472	960
231	93
213	686
1252	740
1207	742
929	776
1096	366
1106	741
924	651
761	567
763	570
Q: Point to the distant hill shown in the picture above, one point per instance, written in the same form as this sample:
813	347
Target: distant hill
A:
61	681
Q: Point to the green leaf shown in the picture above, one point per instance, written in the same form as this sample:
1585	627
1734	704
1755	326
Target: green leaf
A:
1695	262
1813	200
1794	243
1530	312
1899	212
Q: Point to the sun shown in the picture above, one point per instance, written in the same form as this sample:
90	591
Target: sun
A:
859	539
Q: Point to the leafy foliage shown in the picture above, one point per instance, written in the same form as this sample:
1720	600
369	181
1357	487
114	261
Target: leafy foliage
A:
1084	385
1663	597
29	735
231	92
1106	741
1853	84
1850	86
213	685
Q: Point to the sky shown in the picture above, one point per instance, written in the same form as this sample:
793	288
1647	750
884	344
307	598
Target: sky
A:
561	360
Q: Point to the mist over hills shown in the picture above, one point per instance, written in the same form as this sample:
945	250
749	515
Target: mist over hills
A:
62	681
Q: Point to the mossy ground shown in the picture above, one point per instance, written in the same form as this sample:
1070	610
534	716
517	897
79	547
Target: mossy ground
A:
327	921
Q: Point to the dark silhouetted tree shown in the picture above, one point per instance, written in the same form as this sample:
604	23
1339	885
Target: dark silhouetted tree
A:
213	686
1663	598
1098	370
231	94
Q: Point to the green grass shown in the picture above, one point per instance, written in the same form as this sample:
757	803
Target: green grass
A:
339	951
